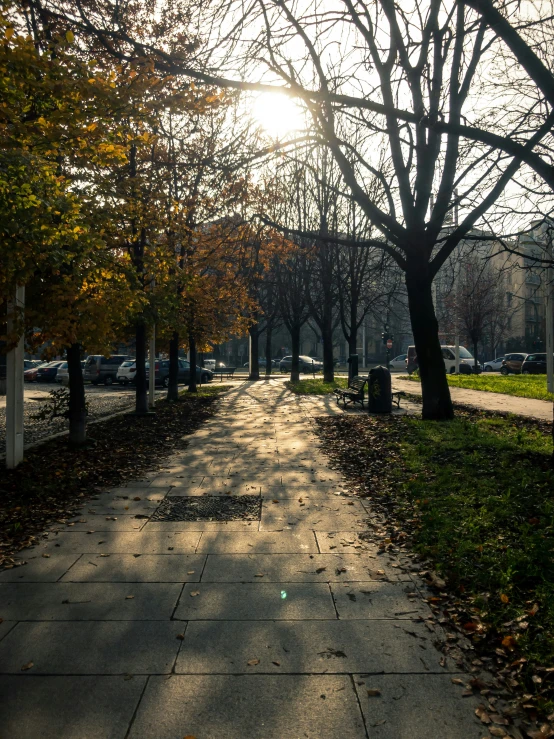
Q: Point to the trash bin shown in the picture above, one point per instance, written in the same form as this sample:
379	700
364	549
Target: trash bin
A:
379	398
352	366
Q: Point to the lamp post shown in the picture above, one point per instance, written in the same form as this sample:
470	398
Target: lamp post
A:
14	386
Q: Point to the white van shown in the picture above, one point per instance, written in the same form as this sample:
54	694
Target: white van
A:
467	362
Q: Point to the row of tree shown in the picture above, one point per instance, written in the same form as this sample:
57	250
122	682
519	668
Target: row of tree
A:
426	108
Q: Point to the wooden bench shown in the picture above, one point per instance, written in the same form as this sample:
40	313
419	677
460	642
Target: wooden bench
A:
354	393
221	371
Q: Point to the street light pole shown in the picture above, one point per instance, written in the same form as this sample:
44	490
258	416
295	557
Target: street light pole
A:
14	387
549	306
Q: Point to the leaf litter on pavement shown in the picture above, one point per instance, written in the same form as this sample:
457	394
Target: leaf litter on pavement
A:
53	481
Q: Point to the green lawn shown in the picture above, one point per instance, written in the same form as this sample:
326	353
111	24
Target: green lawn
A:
316	387
476	496
524	386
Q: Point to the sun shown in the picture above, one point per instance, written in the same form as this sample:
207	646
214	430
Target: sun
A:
277	114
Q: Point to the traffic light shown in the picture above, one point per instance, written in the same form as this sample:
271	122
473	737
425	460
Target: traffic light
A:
386	336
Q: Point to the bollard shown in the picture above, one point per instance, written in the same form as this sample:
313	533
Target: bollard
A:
352	367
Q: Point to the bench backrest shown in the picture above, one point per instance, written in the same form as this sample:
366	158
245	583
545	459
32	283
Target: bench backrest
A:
358	383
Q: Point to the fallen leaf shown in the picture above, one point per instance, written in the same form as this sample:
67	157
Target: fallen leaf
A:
27	666
136	497
45	556
129	597
504	598
373	692
180	636
277	664
253	662
509	642
194	593
190	572
259	574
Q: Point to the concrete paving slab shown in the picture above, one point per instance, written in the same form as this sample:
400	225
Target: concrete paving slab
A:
256	707
378	600
121	503
68	601
417	707
307	493
111	522
318	515
177	482
202	526
306	478
288	542
347	541
140	542
166	567
118	648
336	568
240	483
68	707
297	647
254	601
40	569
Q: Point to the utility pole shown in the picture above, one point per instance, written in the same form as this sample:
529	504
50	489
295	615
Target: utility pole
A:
14	386
364	345
152	362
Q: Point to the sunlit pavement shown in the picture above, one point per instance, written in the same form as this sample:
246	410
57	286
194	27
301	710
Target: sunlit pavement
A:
285	627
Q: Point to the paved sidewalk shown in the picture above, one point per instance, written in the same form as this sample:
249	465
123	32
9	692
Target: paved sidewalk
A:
540	409
287	627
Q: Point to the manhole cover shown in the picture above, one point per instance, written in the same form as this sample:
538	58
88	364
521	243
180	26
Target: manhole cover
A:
209	508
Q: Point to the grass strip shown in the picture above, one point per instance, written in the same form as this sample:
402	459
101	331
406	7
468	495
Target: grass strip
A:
522	386
316	387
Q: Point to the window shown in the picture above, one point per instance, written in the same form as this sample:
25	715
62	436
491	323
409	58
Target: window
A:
447	354
531	358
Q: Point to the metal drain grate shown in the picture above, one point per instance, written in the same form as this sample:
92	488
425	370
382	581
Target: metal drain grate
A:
209	508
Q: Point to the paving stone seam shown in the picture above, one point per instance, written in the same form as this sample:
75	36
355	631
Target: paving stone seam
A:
9	631
358	702
139	701
172	617
64	573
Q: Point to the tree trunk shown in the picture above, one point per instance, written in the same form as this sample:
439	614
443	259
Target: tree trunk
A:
268	335
328	362
254	352
173	386
141	386
295	341
77	406
437	404
193	360
475	355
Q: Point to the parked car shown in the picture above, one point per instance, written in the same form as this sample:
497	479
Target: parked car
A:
30	375
126	372
399	362
261	361
28	364
48	372
512	363
306	364
62	375
493	365
534	364
103	369
467	362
